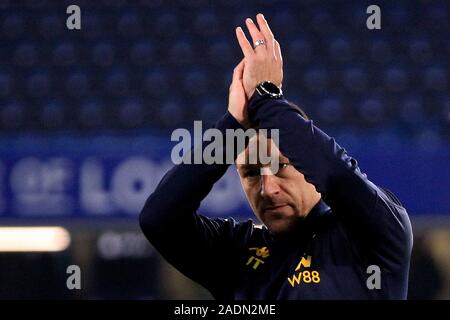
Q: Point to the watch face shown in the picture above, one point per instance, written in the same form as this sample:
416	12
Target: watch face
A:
267	88
271	88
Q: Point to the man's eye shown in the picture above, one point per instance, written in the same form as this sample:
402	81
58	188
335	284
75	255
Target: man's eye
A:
252	173
282	167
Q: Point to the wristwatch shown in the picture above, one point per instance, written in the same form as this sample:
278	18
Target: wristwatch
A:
269	89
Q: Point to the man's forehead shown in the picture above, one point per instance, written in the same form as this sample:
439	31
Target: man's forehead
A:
258	148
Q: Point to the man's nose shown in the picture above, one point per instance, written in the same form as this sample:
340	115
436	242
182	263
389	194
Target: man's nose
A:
269	185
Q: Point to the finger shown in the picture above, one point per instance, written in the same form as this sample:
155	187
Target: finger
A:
278	52
238	71
246	47
255	33
265	31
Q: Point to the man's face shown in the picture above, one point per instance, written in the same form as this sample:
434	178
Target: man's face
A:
280	200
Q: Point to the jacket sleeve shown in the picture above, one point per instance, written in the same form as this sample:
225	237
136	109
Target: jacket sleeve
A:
199	247
373	215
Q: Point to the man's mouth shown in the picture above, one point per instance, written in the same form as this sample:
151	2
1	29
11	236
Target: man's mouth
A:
274	208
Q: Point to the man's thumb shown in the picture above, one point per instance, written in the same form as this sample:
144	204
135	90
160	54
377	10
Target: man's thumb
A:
238	71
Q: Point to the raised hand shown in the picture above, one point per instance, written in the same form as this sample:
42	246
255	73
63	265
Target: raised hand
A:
263	62
237	100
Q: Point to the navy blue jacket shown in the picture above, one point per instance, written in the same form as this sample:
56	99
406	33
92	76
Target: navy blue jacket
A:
356	225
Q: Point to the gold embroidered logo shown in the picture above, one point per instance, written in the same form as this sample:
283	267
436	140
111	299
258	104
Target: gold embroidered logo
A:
307	276
304	262
261	253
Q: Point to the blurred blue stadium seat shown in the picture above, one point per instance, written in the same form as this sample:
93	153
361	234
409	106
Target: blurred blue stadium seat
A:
195	82
355	79
285	20
412	110
156	58
132	113
355	14
398	15
372	111
340	49
92	113
193	4
52	114
228	3
103	54
78	84
330	110
380	50
64	54
181	52
322	21
172	112
167	24
141	53
39	3
316	79
220	53
116	83
115	3
210	110
300	51
129	25
396	79
438	16
420	50
436	78
26	55
92	25
445	114
50	26
38	84
207	23
6	84
153	4
13	115
156	83
13	26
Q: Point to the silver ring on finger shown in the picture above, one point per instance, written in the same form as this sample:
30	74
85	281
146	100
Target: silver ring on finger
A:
259	43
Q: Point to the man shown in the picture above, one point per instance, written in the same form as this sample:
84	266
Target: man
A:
329	232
